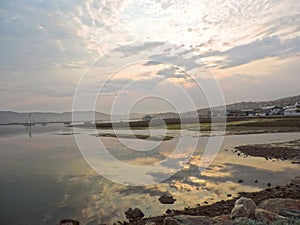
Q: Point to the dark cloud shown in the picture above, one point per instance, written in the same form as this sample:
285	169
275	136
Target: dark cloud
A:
172	72
128	50
257	50
178	60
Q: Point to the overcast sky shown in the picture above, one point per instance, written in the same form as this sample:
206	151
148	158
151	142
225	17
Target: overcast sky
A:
251	48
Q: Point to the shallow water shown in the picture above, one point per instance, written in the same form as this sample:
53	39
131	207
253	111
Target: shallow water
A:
45	178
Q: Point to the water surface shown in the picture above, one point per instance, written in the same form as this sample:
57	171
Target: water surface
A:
45	178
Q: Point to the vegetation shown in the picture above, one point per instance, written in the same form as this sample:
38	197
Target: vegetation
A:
288	221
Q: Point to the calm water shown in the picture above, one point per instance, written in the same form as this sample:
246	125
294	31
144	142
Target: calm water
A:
45	178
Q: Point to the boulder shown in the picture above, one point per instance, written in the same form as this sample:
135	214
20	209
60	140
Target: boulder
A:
68	222
266	216
150	223
243	207
276	204
134	214
289	213
167	199
239	211
188	220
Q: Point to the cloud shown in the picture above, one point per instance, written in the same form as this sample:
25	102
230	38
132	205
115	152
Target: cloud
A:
128	50
257	50
47	45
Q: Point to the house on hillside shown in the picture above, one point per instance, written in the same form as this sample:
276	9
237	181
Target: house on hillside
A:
293	111
147	118
273	110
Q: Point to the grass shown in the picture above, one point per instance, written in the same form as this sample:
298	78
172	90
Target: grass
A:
235	125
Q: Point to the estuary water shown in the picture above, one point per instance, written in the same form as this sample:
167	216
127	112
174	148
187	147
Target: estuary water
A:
45	178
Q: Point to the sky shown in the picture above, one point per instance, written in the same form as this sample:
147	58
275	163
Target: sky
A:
148	55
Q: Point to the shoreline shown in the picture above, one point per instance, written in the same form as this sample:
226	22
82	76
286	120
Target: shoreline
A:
222	209
291	151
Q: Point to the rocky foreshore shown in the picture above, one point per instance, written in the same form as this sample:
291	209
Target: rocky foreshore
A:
279	151
280	204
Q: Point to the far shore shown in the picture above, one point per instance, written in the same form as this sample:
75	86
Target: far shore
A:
232	125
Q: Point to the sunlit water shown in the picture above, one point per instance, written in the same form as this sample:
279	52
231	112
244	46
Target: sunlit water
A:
45	178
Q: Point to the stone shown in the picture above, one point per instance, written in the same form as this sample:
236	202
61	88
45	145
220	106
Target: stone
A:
289	213
169	221
238	211
222	217
240	219
266	216
276	204
188	220
225	222
167	199
134	214
68	222
243	207
150	223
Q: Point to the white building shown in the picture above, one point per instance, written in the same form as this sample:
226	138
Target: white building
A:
292	112
272	110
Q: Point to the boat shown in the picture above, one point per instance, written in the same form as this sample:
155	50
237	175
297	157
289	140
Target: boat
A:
29	122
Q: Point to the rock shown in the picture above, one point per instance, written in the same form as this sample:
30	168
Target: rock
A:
266	216
222	217
240	219
150	223
68	222
276	204
188	220
169	211
269	184
289	213
243	207
134	214
225	222
167	199
169	221
239	211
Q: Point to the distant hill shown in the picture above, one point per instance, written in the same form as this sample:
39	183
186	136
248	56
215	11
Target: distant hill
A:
15	117
253	105
288	101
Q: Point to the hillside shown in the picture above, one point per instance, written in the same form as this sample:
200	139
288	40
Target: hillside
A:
15	117
288	101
